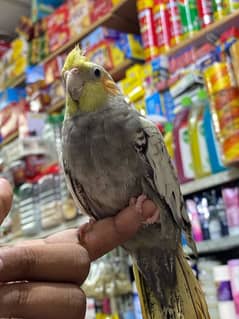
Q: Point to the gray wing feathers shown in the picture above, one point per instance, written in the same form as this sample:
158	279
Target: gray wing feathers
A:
165	178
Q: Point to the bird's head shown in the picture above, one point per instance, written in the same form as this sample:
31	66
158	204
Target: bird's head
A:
88	85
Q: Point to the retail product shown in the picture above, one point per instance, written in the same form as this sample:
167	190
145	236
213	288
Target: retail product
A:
197	136
224	294
213	146
146	22
176	27
231	200
162	25
205	276
218	77
189	16
183	155
168	139
205	12
225	108
195	221
233	266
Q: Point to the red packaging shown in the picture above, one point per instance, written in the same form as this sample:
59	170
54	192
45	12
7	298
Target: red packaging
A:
146	22
52	70
9	117
59	17
58	37
176	28
162	26
205	12
99	8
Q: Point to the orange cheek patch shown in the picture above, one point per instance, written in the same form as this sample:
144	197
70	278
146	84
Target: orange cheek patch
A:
110	86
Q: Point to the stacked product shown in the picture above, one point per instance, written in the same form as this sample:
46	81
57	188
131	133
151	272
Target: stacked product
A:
214	214
52	25
166	23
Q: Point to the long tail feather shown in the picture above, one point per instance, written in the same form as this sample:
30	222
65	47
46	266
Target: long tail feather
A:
186	302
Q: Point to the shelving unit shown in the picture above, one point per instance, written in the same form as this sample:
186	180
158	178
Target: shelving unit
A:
215	246
210	181
201	36
48	232
122	17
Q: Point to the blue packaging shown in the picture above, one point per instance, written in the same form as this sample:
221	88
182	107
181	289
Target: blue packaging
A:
98	35
34	74
153	105
42	8
11	95
169	106
131	45
212	143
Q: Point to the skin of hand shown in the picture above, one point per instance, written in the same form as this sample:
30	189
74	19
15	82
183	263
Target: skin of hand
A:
42	278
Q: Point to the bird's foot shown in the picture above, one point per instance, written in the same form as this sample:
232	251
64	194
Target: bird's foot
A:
85	228
138	204
153	219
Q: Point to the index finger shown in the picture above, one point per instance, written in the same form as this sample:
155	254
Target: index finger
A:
5	198
111	232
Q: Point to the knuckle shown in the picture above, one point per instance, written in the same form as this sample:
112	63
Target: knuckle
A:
20	297
81	262
27	259
77	303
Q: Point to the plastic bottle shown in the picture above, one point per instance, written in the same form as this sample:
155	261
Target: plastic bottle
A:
168	139
234	275
211	139
224	294
193	214
183	156
198	143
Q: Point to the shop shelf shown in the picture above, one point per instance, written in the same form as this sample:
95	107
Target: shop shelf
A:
203	35
45	233
215	246
122	17
210	181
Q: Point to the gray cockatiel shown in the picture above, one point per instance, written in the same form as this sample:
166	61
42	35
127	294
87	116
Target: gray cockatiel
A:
110	154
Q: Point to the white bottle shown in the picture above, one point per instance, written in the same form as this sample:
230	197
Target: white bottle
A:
224	294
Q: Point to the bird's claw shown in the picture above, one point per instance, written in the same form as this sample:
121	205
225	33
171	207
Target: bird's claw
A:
138	204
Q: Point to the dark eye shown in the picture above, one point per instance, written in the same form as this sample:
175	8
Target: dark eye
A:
97	73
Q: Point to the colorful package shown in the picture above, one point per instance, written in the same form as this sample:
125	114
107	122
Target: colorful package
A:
231	201
98	35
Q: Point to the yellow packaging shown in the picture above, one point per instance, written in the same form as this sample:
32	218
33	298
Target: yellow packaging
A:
234	52
117	55
140	106
133	89
218	77
136	72
20	65
168	139
19	47
142	4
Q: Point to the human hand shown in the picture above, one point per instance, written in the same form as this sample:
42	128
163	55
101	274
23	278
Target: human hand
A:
42	278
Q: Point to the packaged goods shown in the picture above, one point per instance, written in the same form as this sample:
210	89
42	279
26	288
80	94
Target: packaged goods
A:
199	150
189	16
183	155
146	22
162	26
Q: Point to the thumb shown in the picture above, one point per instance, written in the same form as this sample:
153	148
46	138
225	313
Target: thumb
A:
5	198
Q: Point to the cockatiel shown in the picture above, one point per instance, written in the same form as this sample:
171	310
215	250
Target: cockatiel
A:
111	154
